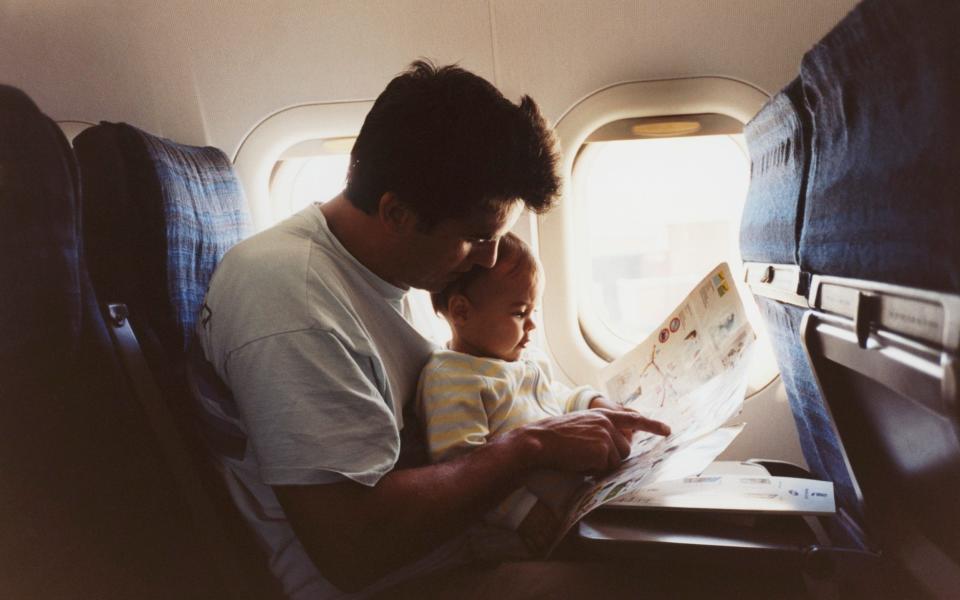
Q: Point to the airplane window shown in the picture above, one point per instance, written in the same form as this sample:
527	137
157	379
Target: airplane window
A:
660	202
311	171
661	213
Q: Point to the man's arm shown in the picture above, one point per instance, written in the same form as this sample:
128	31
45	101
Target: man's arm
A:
356	534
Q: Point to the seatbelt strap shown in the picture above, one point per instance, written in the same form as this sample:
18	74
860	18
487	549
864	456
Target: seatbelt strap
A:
206	519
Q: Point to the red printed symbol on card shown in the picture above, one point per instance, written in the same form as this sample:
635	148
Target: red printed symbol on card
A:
664	335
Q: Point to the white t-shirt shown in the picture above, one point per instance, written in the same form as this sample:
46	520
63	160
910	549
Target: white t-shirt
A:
320	358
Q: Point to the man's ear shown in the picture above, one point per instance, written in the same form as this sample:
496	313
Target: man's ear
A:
395	215
459	308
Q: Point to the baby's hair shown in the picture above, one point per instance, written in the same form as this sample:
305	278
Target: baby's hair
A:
513	256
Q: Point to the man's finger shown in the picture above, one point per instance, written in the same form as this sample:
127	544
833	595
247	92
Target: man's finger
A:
631	420
615	457
621	444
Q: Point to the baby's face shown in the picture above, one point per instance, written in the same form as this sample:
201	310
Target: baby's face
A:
501	316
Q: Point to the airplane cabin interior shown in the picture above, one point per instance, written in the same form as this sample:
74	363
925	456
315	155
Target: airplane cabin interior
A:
806	144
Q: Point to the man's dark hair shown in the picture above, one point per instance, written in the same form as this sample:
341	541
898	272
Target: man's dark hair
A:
447	143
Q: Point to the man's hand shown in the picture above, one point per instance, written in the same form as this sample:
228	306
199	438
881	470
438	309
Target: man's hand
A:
588	441
411	511
606	403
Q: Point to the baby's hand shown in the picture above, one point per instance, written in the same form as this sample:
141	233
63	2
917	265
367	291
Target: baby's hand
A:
603	402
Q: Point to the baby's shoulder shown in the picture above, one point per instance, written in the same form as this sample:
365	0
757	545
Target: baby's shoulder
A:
447	363
535	357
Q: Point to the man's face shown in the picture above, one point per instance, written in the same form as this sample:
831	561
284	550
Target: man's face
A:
453	246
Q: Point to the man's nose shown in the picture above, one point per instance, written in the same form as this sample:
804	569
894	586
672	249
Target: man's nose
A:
485	254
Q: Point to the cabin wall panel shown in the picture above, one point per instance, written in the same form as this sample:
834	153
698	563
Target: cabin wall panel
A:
205	72
273	55
562	51
74	59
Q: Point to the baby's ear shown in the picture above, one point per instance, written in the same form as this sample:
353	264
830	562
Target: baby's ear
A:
458	307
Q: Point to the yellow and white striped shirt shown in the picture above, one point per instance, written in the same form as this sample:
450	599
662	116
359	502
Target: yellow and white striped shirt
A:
465	400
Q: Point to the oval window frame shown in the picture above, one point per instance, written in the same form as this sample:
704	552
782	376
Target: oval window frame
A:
558	242
269	139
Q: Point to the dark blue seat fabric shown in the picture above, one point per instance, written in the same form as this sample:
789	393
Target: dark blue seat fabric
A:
159	216
882	199
778	141
88	508
818	439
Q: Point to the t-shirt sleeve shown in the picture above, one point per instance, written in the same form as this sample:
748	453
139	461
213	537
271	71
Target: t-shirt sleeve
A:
314	410
574	399
452	410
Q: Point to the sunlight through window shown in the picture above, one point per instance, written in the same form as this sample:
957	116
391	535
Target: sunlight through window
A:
655	215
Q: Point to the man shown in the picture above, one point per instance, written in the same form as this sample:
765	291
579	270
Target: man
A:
306	324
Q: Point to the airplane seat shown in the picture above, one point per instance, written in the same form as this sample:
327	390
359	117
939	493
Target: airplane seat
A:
89	507
866	318
37	183
778	139
881	203
158	217
879	238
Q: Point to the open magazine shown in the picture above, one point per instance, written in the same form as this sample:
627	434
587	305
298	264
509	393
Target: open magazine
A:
690	373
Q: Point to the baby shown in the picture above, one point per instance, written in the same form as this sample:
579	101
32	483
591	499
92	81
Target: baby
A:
489	382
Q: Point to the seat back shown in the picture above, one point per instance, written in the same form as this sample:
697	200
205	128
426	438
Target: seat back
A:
89	508
880	239
881	202
886	358
158	218
778	139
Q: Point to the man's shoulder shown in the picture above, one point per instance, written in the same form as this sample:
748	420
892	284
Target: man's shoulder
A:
264	285
263	252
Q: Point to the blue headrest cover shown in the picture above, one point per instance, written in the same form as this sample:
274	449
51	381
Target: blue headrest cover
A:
163	215
778	141
883	197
